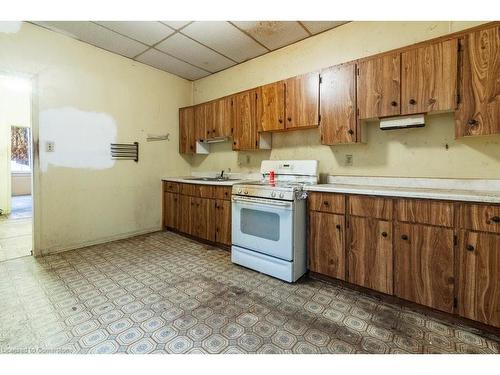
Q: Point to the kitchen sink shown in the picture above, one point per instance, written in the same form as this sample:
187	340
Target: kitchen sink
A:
212	179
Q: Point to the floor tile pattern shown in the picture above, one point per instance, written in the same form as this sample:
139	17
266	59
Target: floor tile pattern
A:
163	293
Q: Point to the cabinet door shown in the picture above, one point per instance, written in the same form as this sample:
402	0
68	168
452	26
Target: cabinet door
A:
424	265
171	210
429	78
200	121
302	101
338	105
479	108
186	131
479	277
246	112
223	222
370	254
326	244
204	222
185	213
273	107
223	117
379	85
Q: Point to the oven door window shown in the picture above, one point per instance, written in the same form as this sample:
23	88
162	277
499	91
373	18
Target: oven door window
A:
260	224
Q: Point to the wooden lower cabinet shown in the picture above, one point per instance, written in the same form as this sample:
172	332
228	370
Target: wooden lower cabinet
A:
171	210
423	265
369	254
326	244
479	277
185	213
223	222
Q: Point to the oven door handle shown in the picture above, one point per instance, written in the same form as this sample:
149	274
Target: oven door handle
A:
262	202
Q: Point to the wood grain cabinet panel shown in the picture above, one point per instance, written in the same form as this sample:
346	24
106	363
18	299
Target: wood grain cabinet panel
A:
185	214
223	222
479	85
338	105
479	277
171	210
172	187
374	207
247	113
429	78
203	121
326	244
223	117
203	221
327	202
223	192
187	142
273	107
425	211
480	217
302	101
424	271
379	87
369	260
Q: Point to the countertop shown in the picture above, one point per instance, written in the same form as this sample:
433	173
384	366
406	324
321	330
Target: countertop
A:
236	178
483	191
189	180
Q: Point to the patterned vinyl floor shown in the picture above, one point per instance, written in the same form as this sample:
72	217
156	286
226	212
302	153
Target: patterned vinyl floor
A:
162	293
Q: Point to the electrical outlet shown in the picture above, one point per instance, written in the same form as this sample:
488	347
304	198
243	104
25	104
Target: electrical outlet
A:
348	160
50	146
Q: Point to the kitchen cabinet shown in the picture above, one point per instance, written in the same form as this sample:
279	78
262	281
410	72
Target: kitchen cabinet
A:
429	78
423	266
223	221
302	101
171	210
479	217
425	211
222	124
338	105
273	107
479	107
186	214
379	86
373	207
203	220
479	277
326	244
370	253
187	143
203	120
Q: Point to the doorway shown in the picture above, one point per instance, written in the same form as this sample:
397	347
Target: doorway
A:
16	168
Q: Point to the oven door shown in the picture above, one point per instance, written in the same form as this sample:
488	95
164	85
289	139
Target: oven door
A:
263	225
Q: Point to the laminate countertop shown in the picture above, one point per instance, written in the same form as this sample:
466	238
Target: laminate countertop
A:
469	190
234	178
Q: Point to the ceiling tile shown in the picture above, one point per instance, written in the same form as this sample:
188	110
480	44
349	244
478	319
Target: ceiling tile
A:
176	24
224	38
318	26
273	34
186	49
170	64
97	35
148	32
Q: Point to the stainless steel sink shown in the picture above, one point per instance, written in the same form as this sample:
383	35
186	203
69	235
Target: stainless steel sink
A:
212	179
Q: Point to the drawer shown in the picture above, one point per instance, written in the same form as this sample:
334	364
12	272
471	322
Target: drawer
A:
425	211
374	207
206	191
480	217
190	189
223	192
172	187
327	202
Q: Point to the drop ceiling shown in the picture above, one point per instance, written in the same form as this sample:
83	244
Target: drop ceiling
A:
190	49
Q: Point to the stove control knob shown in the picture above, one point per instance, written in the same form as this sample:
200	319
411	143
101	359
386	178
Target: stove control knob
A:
245	192
239	191
273	194
282	195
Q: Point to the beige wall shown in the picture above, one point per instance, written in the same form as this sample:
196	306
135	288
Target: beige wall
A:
82	90
415	152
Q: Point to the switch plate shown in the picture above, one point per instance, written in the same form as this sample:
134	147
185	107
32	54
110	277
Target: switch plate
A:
348	160
50	146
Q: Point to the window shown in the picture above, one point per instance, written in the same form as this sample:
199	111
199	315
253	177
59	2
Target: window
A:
20	150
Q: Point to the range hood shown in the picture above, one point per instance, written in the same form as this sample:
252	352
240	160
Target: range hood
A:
392	123
216	140
203	147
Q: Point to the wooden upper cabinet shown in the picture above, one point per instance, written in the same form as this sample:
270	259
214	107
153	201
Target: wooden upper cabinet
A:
338	105
379	87
202	122
273	107
429	78
223	117
479	277
302	101
479	87
245	123
423	261
187	141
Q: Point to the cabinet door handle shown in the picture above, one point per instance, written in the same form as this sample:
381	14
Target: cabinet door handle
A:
413	101
472	122
384	234
470	248
289	119
280	121
350	131
495	219
325	203
394	103
404	237
338	226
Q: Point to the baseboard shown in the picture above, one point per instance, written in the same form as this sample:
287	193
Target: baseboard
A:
99	241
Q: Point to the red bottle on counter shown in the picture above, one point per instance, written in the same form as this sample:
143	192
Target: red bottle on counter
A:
271	177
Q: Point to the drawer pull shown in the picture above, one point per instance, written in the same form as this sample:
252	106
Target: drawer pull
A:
394	103
325	203
384	234
338	226
495	219
413	101
350	131
470	248
404	237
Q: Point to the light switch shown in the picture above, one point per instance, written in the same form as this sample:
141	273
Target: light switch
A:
50	146
348	160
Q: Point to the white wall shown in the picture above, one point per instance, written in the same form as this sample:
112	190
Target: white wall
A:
86	95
